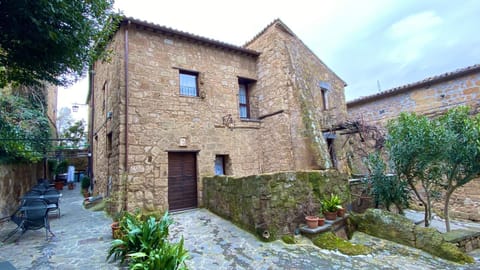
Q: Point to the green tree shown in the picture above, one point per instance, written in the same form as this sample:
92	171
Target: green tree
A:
415	146
461	152
387	189
76	135
52	41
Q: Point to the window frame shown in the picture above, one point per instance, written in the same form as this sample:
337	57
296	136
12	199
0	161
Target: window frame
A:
190	73
324	98
223	157
246	105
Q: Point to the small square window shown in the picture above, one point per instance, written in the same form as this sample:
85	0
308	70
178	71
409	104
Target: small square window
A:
219	165
222	165
188	83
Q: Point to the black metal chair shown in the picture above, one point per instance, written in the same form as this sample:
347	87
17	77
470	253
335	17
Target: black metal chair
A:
52	202
32	215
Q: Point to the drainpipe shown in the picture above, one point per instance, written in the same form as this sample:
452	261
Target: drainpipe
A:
92	124
126	117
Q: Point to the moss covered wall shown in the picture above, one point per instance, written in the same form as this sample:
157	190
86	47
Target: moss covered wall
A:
270	202
401	230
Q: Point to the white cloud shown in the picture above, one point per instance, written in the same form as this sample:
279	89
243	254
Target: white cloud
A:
412	35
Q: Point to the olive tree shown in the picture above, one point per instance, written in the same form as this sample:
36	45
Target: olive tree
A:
461	152
414	145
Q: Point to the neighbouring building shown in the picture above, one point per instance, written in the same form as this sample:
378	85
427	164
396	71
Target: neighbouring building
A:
171	107
432	96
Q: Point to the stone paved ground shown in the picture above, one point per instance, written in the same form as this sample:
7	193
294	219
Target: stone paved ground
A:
82	239
215	243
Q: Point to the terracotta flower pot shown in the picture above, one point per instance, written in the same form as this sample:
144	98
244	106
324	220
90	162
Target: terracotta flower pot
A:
312	222
330	215
341	212
321	221
115	230
59	185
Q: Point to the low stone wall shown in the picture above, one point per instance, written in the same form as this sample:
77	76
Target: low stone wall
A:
15	180
270	205
401	230
464	239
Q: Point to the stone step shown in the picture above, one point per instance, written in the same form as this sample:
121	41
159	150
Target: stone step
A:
330	225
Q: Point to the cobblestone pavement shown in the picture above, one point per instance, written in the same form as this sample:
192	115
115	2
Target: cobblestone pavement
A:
81	240
83	237
215	243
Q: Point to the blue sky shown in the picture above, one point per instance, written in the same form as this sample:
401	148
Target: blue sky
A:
367	43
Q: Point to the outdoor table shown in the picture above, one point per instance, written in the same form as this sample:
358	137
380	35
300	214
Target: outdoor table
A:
43	197
26	208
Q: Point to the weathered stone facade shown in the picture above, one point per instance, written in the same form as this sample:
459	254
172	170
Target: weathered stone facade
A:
15	180
432	96
283	132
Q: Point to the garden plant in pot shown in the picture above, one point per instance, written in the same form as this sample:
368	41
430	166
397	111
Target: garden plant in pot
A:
85	185
308	208
330	206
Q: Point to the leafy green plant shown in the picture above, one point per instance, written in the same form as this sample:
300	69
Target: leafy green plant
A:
331	204
169	257
85	182
386	189
415	146
145	243
461	152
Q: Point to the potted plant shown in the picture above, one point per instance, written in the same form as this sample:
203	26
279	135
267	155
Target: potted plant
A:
330	206
340	211
85	184
309	211
321	221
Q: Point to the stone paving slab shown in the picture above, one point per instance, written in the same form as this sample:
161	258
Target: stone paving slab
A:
83	237
215	243
81	240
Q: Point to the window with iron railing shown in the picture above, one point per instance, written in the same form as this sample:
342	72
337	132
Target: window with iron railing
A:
188	83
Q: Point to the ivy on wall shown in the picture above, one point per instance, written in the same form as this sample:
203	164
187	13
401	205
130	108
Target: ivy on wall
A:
24	129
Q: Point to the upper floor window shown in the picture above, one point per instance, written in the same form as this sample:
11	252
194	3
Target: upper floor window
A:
324	88
243	100
188	83
324	99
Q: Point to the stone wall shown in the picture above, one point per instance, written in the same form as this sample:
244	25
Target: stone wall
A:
270	202
401	230
276	138
432	99
289	80
15	180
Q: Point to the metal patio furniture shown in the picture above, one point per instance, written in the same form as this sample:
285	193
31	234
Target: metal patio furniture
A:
32	215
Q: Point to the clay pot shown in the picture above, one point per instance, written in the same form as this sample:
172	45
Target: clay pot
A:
330	215
59	185
312	222
321	221
115	230
341	212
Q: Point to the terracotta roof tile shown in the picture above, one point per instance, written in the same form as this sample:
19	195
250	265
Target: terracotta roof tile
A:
186	35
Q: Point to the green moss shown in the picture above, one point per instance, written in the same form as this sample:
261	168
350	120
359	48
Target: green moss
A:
289	239
331	242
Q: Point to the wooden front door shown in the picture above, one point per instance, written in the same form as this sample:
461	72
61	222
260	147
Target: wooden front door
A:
182	180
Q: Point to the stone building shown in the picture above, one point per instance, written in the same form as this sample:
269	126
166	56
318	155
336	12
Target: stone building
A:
432	96
171	107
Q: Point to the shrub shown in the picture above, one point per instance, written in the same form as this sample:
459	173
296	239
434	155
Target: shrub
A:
145	244
85	182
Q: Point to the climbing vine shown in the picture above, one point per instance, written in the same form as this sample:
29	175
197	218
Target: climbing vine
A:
24	128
